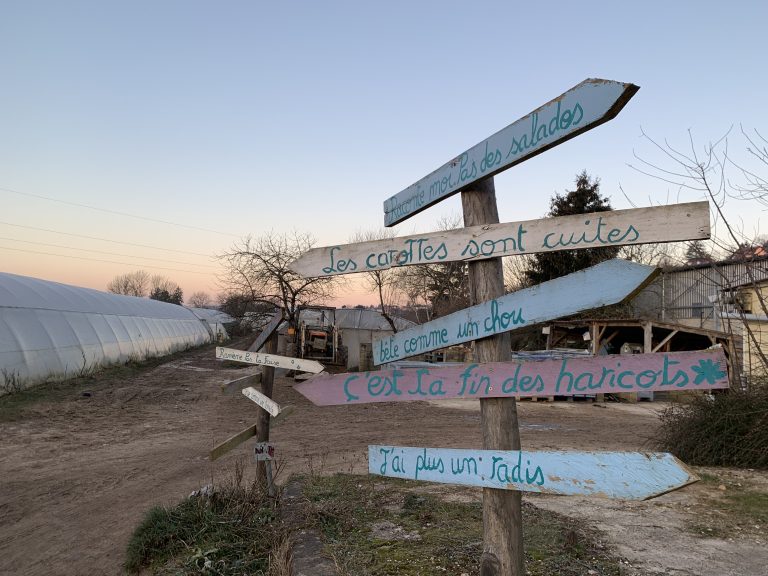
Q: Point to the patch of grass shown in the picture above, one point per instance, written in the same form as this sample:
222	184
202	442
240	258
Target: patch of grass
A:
17	400
384	526
231	531
733	510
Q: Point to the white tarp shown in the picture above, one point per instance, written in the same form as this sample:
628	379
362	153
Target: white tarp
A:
52	331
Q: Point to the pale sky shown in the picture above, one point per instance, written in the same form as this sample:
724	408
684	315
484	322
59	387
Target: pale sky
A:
213	120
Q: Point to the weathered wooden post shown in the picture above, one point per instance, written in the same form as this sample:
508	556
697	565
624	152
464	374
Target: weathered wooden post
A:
502	509
262	422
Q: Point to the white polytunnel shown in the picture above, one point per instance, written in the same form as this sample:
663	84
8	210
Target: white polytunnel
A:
53	331
216	321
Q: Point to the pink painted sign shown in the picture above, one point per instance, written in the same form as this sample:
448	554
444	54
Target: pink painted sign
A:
700	370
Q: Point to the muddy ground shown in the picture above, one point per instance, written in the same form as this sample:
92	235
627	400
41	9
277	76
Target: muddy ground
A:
79	468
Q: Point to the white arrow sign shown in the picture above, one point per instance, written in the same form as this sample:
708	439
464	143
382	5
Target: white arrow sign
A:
581	108
264	401
614	228
269	360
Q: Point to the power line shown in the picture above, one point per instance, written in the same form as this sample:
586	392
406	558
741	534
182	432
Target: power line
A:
104	239
106	210
107	253
105	261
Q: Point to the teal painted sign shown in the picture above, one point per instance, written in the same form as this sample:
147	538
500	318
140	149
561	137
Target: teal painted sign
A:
698	370
621	475
581	108
604	284
614	228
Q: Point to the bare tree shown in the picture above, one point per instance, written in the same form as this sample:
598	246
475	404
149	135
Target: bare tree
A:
158	283
258	268
199	300
443	287
706	171
514	268
130	284
384	283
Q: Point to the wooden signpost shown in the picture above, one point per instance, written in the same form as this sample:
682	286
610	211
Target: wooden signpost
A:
581	108
271	360
622	475
701	370
501	468
615	228
606	283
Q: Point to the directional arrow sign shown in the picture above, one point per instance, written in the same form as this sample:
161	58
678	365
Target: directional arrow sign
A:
702	370
615	228
268	360
264	401
582	108
607	283
623	475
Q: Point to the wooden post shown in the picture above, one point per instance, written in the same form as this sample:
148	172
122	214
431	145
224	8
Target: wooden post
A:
502	509
262	423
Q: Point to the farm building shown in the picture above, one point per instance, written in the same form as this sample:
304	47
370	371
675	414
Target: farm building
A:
359	326
337	335
746	318
54	331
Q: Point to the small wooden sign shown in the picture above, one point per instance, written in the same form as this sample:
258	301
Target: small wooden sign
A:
606	283
267	332
239	383
615	228
621	475
581	108
264	451
232	442
701	370
268	360
264	401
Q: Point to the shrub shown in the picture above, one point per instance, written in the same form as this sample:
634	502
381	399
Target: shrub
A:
227	531
727	429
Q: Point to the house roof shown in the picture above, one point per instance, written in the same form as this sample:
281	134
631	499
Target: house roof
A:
367	319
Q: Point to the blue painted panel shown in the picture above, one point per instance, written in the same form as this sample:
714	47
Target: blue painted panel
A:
601	285
622	475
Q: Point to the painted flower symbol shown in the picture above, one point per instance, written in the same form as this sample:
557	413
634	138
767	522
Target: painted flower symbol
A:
708	370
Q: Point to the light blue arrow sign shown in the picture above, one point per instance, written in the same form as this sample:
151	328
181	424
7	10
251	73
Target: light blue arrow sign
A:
621	475
582	108
607	283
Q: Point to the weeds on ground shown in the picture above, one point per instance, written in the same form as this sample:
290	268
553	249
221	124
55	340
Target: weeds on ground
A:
733	508
727	429
384	526
227	530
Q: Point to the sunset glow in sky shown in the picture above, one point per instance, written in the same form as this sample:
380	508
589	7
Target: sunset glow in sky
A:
152	135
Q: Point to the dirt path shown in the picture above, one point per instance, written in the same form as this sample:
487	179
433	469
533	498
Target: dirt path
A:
78	472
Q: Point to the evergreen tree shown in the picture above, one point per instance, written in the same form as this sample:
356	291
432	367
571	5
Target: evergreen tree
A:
175	297
586	198
697	253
